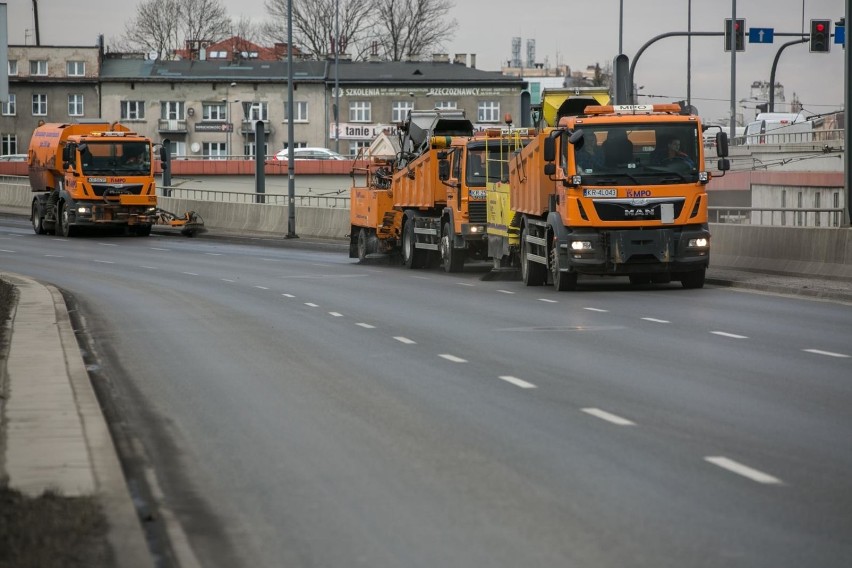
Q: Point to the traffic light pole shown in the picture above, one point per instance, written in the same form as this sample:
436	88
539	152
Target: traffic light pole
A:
771	107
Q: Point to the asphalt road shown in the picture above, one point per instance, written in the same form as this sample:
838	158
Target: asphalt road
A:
295	408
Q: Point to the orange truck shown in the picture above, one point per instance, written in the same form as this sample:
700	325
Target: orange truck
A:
428	202
608	191
96	174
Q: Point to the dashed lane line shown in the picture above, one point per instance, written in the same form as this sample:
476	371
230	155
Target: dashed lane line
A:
227	280
311	305
452	358
261	287
548	300
190	273
731	335
743	470
826	353
365	325
655	320
596	310
288	295
335	314
405	340
505	291
608	416
517	382
104	261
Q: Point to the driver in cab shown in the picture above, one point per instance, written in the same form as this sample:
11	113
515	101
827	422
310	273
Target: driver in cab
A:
670	152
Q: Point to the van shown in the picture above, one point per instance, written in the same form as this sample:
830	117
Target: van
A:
779	128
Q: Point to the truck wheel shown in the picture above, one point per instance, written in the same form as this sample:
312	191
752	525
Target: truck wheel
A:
141	230
411	256
694	279
63	221
562	281
38	220
362	244
533	273
452	260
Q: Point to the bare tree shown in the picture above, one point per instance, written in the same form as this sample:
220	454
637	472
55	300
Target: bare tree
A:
314	23
166	25
412	27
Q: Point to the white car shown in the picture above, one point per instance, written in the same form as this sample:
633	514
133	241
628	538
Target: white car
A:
309	154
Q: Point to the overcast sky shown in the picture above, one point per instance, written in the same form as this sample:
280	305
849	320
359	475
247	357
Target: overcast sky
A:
573	32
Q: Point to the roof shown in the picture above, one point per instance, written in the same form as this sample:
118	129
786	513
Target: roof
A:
194	70
409	72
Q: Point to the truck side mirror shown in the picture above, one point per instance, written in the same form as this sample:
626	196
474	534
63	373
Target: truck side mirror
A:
724	164
549	149
721	144
550	169
443	170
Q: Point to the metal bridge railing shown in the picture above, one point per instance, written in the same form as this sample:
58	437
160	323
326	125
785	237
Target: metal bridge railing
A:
778	217
336	201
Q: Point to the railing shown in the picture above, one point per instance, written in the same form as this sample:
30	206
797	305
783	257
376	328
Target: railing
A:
778	138
335	201
171	125
814	217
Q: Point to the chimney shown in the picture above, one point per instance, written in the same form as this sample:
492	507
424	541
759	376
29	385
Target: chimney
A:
460	59
473	61
440	58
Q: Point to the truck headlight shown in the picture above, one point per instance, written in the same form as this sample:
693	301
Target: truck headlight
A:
581	245
84	210
700	242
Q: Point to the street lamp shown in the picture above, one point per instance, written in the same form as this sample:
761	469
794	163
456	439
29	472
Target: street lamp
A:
230	119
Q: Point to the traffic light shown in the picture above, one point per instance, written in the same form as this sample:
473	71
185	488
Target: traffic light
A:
738	34
820	36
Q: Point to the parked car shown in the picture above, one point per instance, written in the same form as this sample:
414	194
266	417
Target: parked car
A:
309	154
13	158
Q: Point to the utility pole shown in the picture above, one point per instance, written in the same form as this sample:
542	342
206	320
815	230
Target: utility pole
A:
733	123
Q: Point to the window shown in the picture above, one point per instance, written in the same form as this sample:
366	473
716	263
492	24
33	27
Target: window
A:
214	111
132	110
296	145
8	144
75	68
172	110
399	110
10	108
360	111
39	105
446	105
355	146
177	149
75	105
248	149
38	67
258	111
215	150
300	111
488	111
13	67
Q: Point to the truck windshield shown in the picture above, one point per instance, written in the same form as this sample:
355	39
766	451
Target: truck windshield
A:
116	158
489	163
636	154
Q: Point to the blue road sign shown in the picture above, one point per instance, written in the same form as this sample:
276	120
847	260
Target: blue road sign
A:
761	35
840	34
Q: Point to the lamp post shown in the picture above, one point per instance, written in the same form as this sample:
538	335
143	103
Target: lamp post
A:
336	76
230	119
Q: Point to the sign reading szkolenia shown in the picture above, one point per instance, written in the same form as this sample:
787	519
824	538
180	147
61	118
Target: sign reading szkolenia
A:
426	92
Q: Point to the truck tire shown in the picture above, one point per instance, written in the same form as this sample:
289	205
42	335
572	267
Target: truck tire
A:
64	226
694	279
411	256
562	281
140	230
362	244
38	220
533	273
451	259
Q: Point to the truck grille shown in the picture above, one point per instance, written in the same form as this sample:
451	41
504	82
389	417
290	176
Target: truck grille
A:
100	189
630	210
477	211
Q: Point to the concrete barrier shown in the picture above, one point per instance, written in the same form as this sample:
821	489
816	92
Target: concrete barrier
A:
825	252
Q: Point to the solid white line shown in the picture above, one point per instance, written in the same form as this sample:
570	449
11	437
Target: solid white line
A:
335	314
288	295
366	325
227	280
505	291
154	248
261	287
104	261
595	310
311	305
452	358
6	250
743	470
603	415
190	273
148	267
54	256
731	335
405	340
549	301
828	353
517	382
655	320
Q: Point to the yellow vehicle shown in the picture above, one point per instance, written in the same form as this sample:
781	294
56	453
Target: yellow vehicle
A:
427	203
632	206
95	174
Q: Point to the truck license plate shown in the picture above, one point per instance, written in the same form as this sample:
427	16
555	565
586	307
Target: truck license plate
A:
600	193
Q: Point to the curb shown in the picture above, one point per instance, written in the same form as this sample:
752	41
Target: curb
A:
57	436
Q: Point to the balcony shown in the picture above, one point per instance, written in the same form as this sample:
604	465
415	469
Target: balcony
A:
171	125
247	127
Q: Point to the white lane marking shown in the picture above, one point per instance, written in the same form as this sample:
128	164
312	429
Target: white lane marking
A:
517	382
505	291
655	320
311	305
744	470
227	280
548	300
596	310
270	259
288	295
465	284
366	325
731	335
148	267
213	253
405	340
6	250
108	244
609	417
452	358
104	261
154	248
60	240
54	256
261	287
422	277
190	273
827	353
335	314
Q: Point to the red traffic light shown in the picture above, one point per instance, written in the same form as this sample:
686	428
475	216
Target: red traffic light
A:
820	27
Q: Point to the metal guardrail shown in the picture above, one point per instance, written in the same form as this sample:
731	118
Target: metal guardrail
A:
779	138
778	217
336	201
